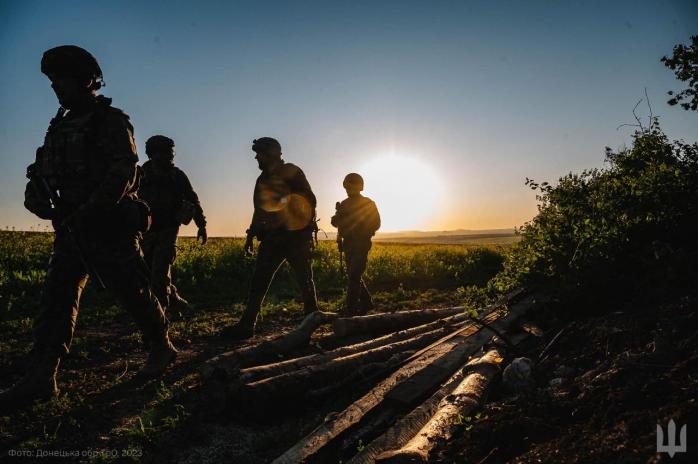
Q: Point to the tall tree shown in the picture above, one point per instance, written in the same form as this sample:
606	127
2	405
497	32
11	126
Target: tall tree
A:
684	63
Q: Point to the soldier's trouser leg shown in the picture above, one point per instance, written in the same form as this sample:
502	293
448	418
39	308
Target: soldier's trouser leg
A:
60	300
299	256
125	273
53	328
365	299
269	257
161	253
358	297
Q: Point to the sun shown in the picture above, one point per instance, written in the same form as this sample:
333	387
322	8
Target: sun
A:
406	190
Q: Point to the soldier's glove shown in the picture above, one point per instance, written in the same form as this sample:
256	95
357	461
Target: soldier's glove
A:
249	245
201	234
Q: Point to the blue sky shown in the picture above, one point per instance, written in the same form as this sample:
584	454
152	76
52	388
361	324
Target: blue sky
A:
481	94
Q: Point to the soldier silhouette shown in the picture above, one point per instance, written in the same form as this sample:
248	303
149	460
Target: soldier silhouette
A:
172	201
84	180
356	220
284	223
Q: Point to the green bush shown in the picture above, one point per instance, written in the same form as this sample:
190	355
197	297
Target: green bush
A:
627	226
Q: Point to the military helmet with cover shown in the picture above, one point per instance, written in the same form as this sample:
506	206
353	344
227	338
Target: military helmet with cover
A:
71	60
266	144
354	180
157	143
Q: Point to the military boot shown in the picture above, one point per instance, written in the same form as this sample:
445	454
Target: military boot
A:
347	311
242	329
179	308
180	304
310	309
161	355
39	383
365	305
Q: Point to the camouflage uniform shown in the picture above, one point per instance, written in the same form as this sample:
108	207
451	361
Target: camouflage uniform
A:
283	221
357	220
89	157
165	194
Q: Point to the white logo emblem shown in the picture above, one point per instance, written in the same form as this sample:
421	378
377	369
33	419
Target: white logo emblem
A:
671	447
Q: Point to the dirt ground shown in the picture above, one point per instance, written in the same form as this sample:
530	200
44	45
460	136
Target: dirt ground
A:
602	388
601	391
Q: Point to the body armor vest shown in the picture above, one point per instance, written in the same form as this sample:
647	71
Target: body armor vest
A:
75	156
164	193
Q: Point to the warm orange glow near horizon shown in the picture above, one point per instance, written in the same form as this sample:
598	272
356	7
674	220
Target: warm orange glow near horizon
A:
406	190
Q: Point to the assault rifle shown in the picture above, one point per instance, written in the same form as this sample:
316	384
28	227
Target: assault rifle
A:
55	205
340	245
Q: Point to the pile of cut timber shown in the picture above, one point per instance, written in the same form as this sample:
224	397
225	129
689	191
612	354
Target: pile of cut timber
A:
426	370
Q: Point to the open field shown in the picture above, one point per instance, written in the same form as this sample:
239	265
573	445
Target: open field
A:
218	274
102	408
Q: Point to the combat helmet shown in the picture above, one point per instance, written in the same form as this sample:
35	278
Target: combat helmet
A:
158	142
266	144
71	60
353	179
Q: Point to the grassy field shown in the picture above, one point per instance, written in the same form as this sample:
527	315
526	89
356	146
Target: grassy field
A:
218	274
103	408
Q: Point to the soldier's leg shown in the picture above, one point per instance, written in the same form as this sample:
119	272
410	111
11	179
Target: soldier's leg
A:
126	274
147	245
163	256
299	256
178	304
269	258
351	305
53	328
365	300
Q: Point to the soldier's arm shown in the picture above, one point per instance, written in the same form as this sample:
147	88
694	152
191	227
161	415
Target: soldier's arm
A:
120	148
35	200
376	217
253	229
190	195
299	184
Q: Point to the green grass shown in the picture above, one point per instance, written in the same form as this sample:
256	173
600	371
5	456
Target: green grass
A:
215	279
218	274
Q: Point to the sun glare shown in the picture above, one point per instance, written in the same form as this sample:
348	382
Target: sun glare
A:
406	190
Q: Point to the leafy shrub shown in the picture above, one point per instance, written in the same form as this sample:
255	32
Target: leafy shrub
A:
627	226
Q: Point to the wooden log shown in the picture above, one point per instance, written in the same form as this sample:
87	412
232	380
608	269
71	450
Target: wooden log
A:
407	392
464	342
389	322
361	376
231	361
296	383
407	427
252	374
440	418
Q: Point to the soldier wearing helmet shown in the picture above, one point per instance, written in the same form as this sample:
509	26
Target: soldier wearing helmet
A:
84	180
356	220
283	221
172	202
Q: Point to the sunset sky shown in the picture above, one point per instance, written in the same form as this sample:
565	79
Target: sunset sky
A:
445	107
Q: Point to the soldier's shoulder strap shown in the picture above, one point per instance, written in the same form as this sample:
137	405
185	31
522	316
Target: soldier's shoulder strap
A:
60	114
290	169
114	127
106	111
180	179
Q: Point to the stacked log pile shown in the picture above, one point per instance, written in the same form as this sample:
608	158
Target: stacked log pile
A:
418	379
